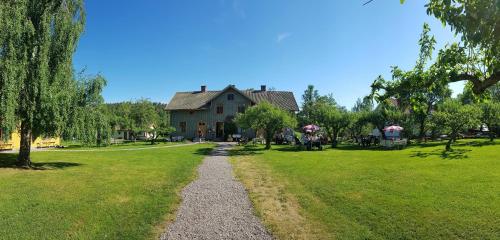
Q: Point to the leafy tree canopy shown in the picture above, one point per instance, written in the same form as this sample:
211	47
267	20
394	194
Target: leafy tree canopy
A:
267	117
331	118
453	117
309	98
88	119
491	116
477	57
37	42
417	90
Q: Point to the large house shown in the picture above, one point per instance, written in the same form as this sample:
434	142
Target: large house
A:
204	114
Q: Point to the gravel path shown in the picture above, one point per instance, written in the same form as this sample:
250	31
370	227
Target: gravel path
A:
216	205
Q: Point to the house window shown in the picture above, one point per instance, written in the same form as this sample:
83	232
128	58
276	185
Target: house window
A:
183	127
220	109
241	108
230	97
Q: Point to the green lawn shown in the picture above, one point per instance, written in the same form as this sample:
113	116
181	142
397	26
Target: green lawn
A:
94	195
416	193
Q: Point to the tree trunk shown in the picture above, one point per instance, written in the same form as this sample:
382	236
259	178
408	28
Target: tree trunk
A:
334	139
269	138
421	134
382	133
23	159
492	136
98	138
448	145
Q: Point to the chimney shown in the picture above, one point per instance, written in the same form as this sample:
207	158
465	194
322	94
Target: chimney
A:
203	88
263	88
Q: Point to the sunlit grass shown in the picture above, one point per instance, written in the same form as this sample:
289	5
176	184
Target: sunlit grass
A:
420	192
94	195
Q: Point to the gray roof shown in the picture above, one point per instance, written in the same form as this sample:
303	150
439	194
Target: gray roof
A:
196	100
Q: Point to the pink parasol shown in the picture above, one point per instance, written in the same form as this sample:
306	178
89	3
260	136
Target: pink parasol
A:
310	128
393	128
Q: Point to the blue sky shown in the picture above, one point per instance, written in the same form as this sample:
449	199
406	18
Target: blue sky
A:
153	48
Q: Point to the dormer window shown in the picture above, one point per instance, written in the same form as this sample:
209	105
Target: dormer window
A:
230	97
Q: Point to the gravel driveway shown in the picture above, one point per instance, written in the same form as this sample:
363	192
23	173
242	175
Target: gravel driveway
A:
216	205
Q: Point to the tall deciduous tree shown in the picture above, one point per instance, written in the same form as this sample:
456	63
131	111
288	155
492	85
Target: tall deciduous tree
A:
88	120
267	117
417	90
331	118
144	115
454	117
309	98
37	42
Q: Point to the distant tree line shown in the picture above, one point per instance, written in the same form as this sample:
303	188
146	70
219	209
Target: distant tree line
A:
140	116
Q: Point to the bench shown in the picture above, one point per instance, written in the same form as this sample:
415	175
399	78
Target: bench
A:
6	146
46	144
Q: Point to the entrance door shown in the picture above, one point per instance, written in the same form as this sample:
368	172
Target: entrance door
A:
202	129
219	129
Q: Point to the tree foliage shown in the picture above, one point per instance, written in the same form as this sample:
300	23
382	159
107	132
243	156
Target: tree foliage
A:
331	118
453	117
37	42
417	90
363	105
386	113
140	116
491	116
267	117
309	98
477	58
88	119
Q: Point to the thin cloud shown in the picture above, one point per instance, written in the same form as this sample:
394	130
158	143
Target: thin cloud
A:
283	36
238	9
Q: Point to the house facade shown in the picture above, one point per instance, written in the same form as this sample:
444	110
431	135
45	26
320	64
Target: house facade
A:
210	114
12	142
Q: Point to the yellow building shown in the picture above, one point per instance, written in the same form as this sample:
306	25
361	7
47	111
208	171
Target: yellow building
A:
14	142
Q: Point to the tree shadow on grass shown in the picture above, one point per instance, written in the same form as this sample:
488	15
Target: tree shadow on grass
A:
8	160
291	149
358	147
203	151
476	143
246	150
451	155
460	142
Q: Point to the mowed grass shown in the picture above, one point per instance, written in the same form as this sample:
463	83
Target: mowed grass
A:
348	193
95	195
